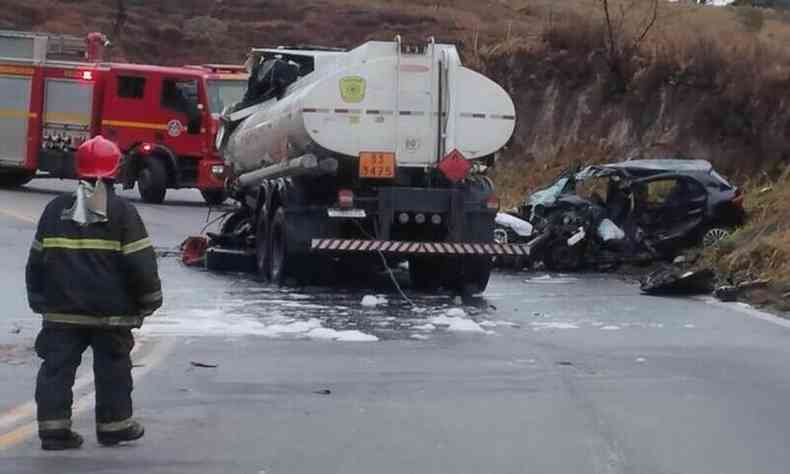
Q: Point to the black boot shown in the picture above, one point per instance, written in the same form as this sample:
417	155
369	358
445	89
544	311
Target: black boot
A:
59	440
111	438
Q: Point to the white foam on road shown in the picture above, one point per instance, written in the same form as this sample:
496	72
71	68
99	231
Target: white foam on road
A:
610	327
456	323
424	327
341	336
553	325
456	313
213	322
546	278
372	301
493	324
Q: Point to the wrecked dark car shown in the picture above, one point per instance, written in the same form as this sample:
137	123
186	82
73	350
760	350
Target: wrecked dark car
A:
633	211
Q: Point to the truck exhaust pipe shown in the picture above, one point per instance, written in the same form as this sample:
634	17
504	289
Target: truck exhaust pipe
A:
307	164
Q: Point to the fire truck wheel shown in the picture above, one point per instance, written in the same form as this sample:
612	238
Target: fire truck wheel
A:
262	247
425	273
214	197
152	181
15	180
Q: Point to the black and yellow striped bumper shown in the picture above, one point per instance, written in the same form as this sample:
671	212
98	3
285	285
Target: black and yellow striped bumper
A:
342	246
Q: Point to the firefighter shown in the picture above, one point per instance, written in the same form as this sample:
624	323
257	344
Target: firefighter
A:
92	275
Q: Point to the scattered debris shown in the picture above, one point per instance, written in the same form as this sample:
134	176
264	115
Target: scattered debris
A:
726	293
752	284
162	252
670	280
203	365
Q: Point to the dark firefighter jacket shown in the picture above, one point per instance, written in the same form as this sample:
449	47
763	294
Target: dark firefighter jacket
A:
102	274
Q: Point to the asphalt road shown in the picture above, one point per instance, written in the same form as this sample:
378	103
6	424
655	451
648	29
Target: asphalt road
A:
542	374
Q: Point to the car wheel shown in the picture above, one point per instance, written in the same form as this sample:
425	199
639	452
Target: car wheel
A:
714	236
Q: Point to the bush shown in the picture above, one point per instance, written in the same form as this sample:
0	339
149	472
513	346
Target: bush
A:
751	18
204	28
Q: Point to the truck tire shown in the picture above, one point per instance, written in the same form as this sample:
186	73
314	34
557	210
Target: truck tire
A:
474	275
152	181
263	247
15	179
214	197
278	244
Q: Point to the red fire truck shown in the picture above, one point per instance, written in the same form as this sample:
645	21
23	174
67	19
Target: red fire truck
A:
163	118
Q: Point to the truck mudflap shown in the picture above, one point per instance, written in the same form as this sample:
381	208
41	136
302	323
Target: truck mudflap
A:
355	246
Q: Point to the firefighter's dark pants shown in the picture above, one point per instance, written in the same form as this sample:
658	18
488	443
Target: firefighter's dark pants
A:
61	347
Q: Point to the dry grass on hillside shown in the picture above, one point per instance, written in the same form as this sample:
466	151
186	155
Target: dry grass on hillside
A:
761	249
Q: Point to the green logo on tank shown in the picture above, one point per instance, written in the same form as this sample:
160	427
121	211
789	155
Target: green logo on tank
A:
352	89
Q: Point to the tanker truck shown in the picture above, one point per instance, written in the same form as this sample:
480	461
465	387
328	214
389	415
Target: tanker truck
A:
364	156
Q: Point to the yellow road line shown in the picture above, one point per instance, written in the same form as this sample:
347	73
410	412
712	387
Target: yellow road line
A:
26	410
12	438
21	217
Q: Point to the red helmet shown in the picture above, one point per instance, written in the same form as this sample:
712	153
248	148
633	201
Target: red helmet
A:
98	158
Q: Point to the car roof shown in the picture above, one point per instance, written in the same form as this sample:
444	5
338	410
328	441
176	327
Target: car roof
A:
670	165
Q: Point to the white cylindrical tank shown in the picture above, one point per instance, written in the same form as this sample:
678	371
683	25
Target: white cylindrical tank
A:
419	105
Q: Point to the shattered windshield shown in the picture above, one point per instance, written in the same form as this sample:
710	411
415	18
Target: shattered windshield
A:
548	195
224	92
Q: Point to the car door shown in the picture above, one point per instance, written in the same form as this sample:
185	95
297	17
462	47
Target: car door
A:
670	208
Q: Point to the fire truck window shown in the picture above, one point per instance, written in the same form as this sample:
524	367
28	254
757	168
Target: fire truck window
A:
182	95
130	87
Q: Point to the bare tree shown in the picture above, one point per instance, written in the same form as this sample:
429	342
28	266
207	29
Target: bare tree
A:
627	24
120	19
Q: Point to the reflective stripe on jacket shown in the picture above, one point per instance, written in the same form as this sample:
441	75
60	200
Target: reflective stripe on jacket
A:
102	274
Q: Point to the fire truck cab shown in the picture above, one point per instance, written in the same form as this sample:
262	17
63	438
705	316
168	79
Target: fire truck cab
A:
163	118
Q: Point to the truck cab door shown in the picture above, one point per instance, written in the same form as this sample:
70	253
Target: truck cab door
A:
182	99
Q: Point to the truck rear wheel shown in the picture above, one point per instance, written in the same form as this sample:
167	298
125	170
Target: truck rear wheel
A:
214	197
152	181
262	246
280	260
15	179
473	275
